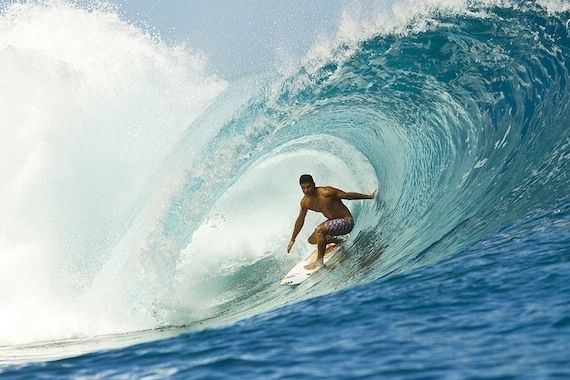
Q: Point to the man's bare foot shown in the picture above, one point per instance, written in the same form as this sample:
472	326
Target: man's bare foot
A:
314	265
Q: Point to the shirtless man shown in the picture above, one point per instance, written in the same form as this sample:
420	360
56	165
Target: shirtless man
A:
326	200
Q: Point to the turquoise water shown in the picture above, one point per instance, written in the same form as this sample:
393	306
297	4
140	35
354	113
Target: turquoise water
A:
167	263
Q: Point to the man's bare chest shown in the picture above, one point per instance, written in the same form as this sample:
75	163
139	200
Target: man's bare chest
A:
320	205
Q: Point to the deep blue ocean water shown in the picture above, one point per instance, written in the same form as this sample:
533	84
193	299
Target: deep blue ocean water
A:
459	115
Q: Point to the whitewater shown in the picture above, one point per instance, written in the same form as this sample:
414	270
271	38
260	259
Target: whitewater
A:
146	201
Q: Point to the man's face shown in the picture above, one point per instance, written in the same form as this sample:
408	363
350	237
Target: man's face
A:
308	188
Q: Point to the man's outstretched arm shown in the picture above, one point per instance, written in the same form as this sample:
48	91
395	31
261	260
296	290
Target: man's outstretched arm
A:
352	195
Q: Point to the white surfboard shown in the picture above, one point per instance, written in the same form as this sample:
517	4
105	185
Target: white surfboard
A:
298	273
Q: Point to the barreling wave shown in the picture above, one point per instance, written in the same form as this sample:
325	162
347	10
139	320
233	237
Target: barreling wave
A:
462	124
459	116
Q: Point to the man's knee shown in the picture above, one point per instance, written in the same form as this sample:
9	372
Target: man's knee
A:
321	230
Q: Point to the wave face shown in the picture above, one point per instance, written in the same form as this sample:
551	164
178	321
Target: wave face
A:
124	219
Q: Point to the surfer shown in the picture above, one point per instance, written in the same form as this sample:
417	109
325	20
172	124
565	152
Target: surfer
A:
328	201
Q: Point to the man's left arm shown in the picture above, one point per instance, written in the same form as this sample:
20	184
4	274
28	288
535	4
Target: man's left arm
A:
352	195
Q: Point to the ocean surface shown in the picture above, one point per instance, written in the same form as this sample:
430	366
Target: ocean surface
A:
147	202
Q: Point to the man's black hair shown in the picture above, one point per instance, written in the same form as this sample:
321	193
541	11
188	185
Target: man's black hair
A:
306	178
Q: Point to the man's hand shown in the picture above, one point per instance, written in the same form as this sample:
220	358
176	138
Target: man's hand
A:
291	242
373	195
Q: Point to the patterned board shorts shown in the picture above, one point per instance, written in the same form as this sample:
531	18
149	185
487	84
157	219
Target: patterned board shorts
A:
340	226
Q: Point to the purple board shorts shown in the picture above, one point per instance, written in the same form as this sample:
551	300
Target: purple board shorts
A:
340	226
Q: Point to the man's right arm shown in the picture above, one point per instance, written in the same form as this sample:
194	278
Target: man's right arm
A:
298	226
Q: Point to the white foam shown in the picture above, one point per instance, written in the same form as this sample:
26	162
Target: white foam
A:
555	6
90	107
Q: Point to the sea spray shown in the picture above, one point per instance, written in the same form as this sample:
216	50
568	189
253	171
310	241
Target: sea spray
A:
90	105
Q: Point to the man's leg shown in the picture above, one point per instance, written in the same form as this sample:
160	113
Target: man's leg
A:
321	242
319	237
313	239
327	232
